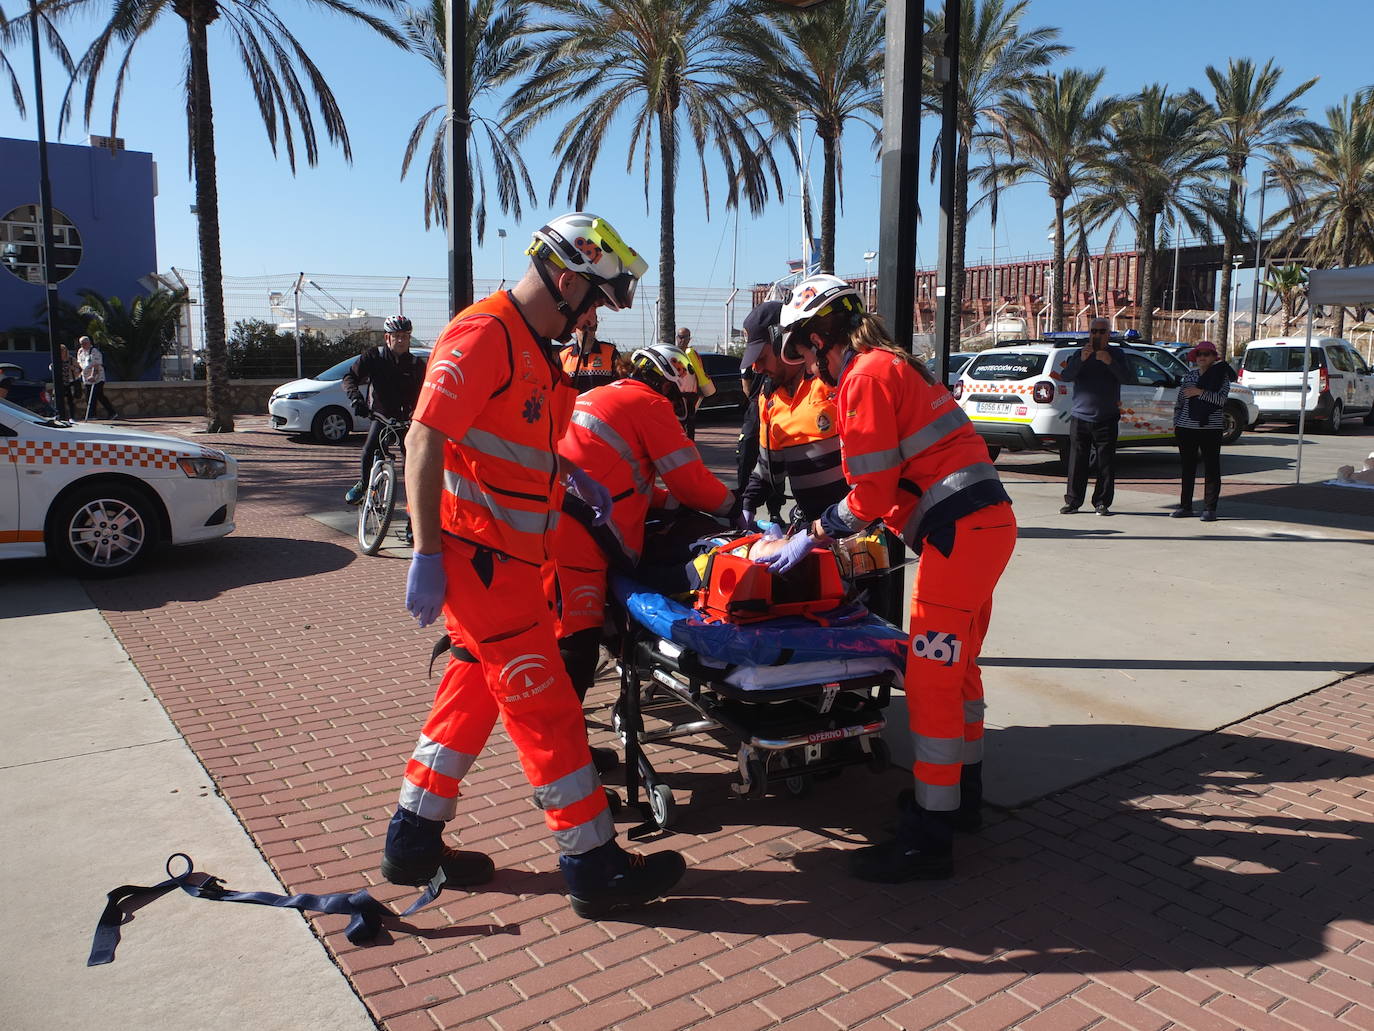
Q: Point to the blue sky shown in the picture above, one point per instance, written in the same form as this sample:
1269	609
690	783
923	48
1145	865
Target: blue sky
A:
361	219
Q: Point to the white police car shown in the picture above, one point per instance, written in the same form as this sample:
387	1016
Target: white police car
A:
318	405
99	499
1017	400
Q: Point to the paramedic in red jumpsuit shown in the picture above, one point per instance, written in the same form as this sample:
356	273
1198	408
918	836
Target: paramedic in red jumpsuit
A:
627	436
914	462
484	485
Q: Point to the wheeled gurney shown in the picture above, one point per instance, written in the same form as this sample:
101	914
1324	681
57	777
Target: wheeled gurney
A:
796	696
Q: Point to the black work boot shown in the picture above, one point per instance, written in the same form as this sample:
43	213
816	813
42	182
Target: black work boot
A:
415	851
608	878
606	760
922	851
969	816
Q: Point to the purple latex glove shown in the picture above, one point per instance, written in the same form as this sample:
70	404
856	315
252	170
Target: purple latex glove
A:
797	548
425	587
594	493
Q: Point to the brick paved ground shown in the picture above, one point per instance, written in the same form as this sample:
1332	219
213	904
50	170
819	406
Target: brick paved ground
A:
1223	884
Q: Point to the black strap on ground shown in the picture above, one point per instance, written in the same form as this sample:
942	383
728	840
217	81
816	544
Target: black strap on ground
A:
366	911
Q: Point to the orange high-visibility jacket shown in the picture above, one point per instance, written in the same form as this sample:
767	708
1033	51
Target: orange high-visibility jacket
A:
799	443
911	456
596	368
626	434
492	390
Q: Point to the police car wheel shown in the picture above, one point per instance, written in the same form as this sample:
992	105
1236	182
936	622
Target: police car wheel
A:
102	531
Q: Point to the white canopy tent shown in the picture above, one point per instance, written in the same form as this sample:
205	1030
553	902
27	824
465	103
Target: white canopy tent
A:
1340	286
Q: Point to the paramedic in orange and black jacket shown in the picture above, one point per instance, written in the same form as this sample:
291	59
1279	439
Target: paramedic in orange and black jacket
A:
485	485
589	362
914	462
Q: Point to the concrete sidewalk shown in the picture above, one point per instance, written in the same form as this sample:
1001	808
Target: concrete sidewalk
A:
1211	880
97	787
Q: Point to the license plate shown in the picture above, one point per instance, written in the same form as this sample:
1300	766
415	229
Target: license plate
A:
993	408
1268	393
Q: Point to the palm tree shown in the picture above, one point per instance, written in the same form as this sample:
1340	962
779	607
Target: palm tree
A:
1158	156
829	63
1053	132
1248	118
660	63
996	60
134	336
1289	282
1331	194
271	57
14	31
498	50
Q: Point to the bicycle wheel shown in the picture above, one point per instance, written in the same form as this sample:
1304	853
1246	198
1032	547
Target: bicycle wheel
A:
374	514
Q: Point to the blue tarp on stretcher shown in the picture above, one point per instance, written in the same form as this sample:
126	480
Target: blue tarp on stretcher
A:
848	631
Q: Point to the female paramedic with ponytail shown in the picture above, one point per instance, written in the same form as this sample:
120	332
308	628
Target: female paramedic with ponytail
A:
914	462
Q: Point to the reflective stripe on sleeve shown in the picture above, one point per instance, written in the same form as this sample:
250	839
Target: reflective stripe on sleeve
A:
677	459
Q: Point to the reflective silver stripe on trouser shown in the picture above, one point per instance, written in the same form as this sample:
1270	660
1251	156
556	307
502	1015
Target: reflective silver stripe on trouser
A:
568	790
447	763
604	432
518	519
586	836
938	751
943	489
488	443
974	710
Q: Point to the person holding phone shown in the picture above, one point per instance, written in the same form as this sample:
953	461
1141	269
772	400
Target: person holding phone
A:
1096	372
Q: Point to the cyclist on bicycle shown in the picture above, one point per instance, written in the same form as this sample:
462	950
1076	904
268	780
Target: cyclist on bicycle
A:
396	376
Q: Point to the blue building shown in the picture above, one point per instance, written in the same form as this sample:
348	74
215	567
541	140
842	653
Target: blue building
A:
104	235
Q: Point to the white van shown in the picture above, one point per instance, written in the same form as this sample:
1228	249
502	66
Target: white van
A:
1339	382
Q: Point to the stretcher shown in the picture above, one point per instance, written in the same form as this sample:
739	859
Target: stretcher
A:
795	697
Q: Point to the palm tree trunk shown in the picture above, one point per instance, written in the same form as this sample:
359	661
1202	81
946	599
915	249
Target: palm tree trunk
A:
1057	287
1147	280
219	408
956	259
1229	245
828	205
667	265
1347	259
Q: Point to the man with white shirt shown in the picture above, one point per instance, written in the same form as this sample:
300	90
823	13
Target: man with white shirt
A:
92	364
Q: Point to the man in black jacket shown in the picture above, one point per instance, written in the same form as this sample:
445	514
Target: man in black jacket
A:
1096	372
395	376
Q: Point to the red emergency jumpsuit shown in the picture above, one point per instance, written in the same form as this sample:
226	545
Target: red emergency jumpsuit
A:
625	436
914	461
492	390
596	368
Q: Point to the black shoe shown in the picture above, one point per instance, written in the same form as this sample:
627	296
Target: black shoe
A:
1102	510
1068	510
895	862
1209	515
1181	512
608	878
605	760
461	869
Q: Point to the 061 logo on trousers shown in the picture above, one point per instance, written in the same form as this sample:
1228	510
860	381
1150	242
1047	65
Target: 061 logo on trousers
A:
937	647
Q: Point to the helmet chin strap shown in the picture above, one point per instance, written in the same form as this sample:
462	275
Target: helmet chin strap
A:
570	314
823	365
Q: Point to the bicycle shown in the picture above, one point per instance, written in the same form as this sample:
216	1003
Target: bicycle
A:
379	500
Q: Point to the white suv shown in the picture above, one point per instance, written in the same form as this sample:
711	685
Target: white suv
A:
318	405
1339	382
1016	399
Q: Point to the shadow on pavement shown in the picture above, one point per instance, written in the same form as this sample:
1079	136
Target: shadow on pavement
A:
1181	862
205	571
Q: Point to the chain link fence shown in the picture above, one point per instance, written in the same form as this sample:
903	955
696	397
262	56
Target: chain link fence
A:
338	315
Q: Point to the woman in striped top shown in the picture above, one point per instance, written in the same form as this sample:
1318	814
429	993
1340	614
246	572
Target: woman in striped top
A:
1198	429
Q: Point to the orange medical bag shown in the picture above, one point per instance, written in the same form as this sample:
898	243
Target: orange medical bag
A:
735	589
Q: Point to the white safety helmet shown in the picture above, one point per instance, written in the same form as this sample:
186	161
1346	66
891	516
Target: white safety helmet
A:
659	366
588	245
813	297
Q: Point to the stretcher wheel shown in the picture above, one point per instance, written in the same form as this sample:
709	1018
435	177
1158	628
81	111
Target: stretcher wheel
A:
880	758
799	786
616	721
661	804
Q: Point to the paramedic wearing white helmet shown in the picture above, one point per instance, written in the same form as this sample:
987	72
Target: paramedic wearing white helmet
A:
485	486
914	462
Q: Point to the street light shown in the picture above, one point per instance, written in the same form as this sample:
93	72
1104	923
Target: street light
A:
1259	240
501	235
868	263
